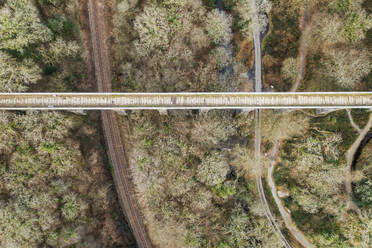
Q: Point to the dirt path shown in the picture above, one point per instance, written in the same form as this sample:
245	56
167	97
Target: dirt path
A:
122	176
291	226
349	160
301	238
353	124
304	24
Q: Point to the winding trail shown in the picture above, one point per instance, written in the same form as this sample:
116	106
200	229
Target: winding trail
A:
122	175
302	50
291	226
349	161
353	124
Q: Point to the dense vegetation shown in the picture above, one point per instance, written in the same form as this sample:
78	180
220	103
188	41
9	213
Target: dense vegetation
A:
54	188
334	37
193	180
312	172
178	45
54	191
194	171
190	169
363	178
40	44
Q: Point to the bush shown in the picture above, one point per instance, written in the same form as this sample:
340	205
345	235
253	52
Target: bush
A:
223	245
238	228
219	27
15	76
224	190
347	67
356	24
153	29
363	192
213	169
62	26
290	69
20	26
72	207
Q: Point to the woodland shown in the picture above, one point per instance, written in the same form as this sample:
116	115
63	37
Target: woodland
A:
56	189
194	171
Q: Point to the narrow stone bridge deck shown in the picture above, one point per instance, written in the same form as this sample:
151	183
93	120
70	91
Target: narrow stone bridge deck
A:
215	100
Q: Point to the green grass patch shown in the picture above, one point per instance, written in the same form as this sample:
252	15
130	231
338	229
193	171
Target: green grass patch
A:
281	175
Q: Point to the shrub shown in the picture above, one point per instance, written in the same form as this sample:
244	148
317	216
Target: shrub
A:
153	29
15	76
219	27
224	190
283	125
253	14
222	245
290	69
211	128
58	50
347	67
56	24
20	26
356	24
72	207
238	227
222	57
51	2
363	192
309	203
213	169
62	26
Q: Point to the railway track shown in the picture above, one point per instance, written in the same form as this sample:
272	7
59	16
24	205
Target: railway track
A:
116	149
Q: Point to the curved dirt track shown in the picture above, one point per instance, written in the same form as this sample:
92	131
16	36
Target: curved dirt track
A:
304	23
349	160
291	226
352	123
122	175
